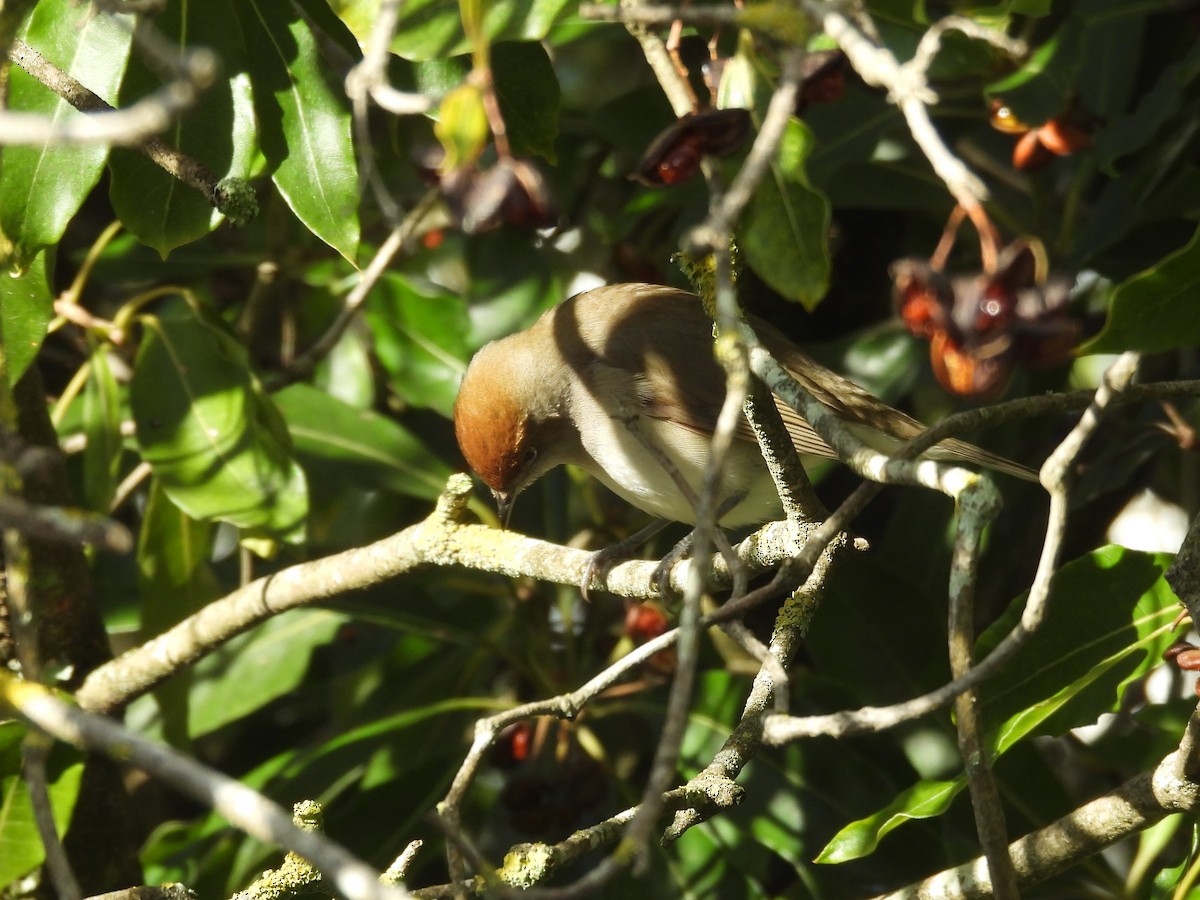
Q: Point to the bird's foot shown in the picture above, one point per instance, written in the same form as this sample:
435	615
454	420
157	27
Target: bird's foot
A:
604	559
661	578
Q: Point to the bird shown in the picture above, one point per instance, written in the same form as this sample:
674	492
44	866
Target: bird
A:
605	372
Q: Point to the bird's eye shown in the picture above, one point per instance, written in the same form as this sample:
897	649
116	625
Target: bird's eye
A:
530	455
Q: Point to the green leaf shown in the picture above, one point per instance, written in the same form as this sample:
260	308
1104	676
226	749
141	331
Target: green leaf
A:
219	132
102	425
364	446
174	581
1108	620
462	126
1039	89
303	122
529	97
21	848
174	576
433	28
1155	310
26	307
923	800
41	188
1155	109
784	231
210	435
421	341
255	668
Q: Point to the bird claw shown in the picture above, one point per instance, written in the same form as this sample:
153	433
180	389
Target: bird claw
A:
604	559
660	580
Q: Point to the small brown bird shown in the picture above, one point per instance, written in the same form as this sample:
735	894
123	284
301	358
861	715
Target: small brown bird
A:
564	390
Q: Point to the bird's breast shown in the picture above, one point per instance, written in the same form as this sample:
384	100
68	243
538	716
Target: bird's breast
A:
621	458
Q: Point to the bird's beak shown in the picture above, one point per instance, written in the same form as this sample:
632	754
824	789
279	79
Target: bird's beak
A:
504	506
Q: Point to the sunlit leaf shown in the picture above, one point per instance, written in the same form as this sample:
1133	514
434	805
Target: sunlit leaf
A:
42	188
361	445
421	341
462	126
26	307
1155	310
784	231
433	28
210	435
21	847
219	132
303	121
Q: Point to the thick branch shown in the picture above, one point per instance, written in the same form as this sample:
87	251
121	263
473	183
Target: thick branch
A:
440	540
1132	808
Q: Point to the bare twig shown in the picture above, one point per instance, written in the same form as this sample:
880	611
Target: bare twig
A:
712	235
399	236
133	126
908	88
241	806
985	796
782	729
74	526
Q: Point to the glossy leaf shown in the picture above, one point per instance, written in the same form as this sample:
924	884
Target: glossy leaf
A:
1155	310
218	132
26	307
363	446
1039	89
421	341
21	848
433	28
1108	621
1155	109
529	97
41	188
784	231
256	668
102	425
210	435
303	122
175	579
923	800
462	126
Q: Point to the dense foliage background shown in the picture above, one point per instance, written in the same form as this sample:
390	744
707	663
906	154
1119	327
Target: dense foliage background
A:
165	351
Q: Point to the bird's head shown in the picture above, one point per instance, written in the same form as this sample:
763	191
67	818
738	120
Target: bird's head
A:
507	422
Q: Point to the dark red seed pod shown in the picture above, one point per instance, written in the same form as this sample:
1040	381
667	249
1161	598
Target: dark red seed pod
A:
644	622
923	297
1030	154
674	155
1062	137
512	192
824	78
966	373
1175	649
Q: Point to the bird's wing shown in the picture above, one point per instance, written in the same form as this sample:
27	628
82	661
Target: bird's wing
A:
882	427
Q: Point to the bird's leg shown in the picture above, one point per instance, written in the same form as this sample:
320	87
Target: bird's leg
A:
603	559
661	577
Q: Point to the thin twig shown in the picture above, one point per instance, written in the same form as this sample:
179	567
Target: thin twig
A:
784	729
303	365
242	807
